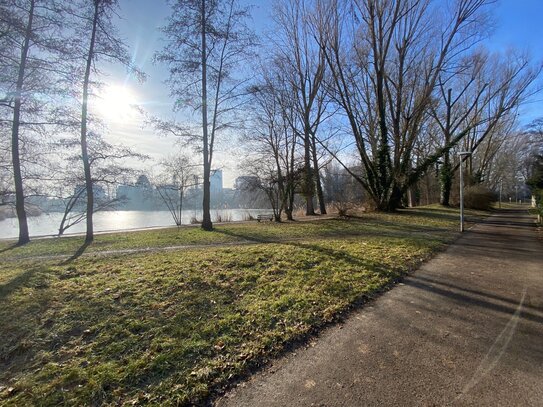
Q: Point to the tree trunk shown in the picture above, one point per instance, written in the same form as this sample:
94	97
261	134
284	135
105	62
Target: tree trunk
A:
446	169
289	214
206	203
308	177
316	173
84	116
410	200
15	153
181	195
283	193
446	176
395	200
290	202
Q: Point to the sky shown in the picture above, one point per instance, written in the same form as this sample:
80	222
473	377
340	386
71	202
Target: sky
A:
517	25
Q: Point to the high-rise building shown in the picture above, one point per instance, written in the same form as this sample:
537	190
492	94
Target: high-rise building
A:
215	182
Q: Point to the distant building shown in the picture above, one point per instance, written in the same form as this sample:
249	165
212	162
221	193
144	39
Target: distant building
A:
139	196
98	191
215	188
246	183
215	182
143	182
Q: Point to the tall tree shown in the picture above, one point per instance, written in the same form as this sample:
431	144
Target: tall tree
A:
96	25
533	163
303	61
17	174
487	90
508	83
385	59
32	62
452	113
208	41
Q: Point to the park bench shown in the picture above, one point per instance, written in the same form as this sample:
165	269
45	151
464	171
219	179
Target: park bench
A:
264	216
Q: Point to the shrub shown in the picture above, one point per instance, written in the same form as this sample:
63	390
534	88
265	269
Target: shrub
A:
478	197
298	211
343	209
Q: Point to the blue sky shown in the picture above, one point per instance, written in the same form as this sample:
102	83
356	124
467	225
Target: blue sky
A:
518	24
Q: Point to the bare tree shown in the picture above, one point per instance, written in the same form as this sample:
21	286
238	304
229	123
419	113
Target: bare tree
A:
207	41
303	63
263	177
178	175
6	178
32	61
109	169
483	108
533	162
273	140
453	114
96	25
385	72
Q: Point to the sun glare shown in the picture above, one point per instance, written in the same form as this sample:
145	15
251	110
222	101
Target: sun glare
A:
117	103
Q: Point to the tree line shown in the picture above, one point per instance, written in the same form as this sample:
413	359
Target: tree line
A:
388	90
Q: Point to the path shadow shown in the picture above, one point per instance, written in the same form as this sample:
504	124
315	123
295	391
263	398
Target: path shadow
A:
432	281
76	255
468	298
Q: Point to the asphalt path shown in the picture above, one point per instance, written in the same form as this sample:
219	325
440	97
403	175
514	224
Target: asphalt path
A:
465	329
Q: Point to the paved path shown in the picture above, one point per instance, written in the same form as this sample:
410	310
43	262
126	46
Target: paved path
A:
465	329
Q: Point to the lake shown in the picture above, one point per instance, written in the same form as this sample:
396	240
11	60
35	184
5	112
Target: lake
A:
47	224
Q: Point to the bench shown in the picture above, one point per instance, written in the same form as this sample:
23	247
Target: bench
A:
264	216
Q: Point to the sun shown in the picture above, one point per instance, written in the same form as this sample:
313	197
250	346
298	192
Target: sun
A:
117	103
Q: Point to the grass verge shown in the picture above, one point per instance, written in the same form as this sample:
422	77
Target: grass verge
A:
169	327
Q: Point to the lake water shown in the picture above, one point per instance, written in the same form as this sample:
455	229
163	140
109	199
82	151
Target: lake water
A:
47	224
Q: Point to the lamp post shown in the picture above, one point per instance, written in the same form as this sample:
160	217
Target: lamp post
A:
462	154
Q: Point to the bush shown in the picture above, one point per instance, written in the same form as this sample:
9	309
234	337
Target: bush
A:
479	197
343	209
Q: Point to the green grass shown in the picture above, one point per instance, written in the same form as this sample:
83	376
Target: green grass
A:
169	327
413	219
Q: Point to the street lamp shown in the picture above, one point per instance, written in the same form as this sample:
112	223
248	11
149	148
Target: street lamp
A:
462	154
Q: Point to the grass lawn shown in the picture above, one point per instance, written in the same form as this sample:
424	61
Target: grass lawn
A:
170	326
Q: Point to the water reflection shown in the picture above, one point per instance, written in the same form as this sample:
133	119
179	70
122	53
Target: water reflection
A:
47	224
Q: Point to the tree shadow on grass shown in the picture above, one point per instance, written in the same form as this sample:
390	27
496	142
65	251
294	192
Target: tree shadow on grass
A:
336	254
361	227
76	255
19	281
8	248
